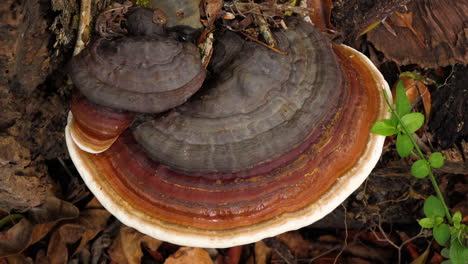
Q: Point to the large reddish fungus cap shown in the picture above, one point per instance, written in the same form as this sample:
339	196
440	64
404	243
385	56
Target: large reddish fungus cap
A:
271	144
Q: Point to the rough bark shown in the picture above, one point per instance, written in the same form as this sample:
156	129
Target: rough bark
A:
31	116
430	33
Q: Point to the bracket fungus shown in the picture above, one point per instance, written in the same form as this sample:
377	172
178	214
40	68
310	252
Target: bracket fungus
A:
269	144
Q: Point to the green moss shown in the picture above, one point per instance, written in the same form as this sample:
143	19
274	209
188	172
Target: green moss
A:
143	3
75	22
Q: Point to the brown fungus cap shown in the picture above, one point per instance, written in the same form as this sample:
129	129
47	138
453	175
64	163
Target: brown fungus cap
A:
138	74
148	72
262	106
273	144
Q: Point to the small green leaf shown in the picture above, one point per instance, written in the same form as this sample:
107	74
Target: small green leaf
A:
436	160
426	222
415	76
384	128
413	121
409	75
289	13
394	120
420	169
445	253
433	207
458	254
441	234
142	3
438	220
404	145
403	104
457	217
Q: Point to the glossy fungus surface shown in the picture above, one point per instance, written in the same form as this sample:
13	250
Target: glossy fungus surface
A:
149	71
262	110
140	73
272	143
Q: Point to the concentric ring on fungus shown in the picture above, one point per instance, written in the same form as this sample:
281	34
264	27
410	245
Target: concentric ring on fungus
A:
271	144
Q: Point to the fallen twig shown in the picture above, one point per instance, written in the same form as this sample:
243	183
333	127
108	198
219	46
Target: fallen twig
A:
265	30
264	44
250	7
389	241
83	27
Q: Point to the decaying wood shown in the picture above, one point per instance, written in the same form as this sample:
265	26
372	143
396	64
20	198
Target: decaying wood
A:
24	64
23	46
430	33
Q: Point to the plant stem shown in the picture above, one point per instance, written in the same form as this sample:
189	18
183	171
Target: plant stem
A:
423	157
9	218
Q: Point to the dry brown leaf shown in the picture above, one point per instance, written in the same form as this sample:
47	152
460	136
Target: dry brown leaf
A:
262	253
321	14
41	257
232	256
65	235
18	259
296	243
389	28
52	210
91	221
213	11
402	19
440	26
213	7
126	248
15	239
189	255
95	220
109	22
48	214
416	89
104	240
25	233
406	20
40	231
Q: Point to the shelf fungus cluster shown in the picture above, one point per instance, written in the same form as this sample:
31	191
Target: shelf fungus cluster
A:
267	144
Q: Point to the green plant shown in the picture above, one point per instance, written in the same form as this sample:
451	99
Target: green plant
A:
142	3
448	231
9	218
